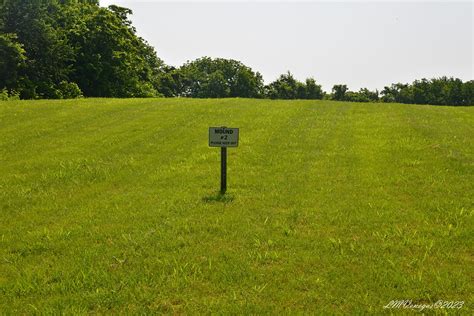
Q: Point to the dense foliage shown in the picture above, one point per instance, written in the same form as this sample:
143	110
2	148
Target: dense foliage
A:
287	87
66	48
72	48
443	91
437	91
340	92
219	78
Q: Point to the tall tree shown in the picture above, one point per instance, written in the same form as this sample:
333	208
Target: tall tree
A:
285	87
111	60
339	92
12	61
76	41
313	90
210	78
47	52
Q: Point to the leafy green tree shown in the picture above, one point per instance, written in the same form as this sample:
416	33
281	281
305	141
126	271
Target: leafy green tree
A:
12	61
436	91
339	92
77	42
169	81
285	87
468	93
47	52
111	60
246	83
389	94
212	78
363	95
313	90
398	92
215	86
301	90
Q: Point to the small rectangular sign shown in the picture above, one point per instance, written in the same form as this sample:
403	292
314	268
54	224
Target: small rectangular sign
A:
223	137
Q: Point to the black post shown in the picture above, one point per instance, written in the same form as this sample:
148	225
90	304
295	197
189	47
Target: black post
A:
223	170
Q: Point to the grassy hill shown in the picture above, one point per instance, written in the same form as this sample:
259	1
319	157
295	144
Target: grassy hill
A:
112	205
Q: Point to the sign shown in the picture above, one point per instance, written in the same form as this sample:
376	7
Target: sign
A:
223	137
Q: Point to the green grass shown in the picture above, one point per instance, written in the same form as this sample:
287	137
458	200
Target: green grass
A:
113	206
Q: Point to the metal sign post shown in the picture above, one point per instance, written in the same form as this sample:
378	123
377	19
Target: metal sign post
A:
223	137
223	170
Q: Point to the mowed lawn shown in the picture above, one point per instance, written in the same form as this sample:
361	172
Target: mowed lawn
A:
111	206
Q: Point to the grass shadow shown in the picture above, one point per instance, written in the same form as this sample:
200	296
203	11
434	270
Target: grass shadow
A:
218	197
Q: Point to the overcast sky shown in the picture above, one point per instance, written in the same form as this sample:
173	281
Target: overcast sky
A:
361	44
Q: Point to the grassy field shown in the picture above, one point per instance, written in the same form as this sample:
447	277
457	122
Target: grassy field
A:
113	206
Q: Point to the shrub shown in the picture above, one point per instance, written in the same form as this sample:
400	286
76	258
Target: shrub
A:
69	90
6	95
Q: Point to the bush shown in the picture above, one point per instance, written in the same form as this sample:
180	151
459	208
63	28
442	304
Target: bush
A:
69	90
6	95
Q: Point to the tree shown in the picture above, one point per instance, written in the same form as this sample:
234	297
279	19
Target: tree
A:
436	91
365	95
168	81
313	90
111	60
389	94
47	52
76	43
339	92
212	78
285	87
12	61
247	84
215	86
468	92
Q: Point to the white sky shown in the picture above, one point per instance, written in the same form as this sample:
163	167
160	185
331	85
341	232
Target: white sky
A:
361	44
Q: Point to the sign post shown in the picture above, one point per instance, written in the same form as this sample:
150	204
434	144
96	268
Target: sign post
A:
223	170
223	137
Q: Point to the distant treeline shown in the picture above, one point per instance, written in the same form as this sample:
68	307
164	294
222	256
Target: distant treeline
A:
71	48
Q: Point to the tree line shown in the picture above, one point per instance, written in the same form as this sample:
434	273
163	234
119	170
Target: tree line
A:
72	48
